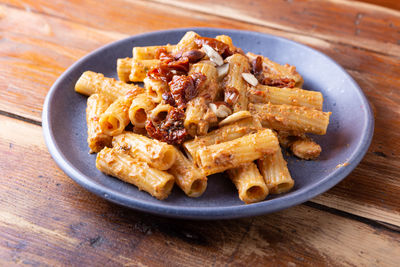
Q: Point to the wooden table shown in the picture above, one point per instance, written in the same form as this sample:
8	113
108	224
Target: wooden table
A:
48	220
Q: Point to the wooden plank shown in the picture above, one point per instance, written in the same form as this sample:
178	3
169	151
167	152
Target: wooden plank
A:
392	4
355	23
339	21
46	219
41	59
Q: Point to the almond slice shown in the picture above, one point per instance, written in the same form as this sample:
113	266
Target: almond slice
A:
235	117
220	110
250	78
223	70
213	55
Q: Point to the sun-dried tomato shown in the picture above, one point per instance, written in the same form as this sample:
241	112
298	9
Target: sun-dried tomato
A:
161	52
181	65
198	79
161	72
220	47
281	82
168	99
184	88
171	130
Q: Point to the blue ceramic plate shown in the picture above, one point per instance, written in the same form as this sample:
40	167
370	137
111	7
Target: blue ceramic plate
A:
347	140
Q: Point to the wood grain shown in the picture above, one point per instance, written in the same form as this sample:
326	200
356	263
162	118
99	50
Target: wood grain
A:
385	3
370	191
44	213
362	25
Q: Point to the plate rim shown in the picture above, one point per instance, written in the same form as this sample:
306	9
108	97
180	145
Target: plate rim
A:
207	213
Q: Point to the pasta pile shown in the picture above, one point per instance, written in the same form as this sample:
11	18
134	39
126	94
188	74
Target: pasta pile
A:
206	107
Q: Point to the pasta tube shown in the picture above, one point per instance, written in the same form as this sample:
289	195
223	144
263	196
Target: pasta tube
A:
226	40
91	82
296	120
150	52
124	66
288	96
187	176
115	162
220	157
275	71
157	154
275	172
160	112
223	134
249	182
187	42
97	104
140	68
139	109
155	88
209	88
116	117
235	85
198	117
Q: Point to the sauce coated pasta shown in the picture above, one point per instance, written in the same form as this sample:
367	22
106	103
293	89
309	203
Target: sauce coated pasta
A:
206	107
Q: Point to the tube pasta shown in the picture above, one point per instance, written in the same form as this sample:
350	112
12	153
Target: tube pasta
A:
187	176
275	70
209	88
234	83
249	182
227	40
155	88
140	68
160	112
91	82
150	52
187	42
124	66
288	96
198	117
115	162
223	134
114	120
97	104
227	155
274	169
139	109
294	119
157	154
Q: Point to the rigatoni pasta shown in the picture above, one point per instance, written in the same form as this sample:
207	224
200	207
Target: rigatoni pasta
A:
205	107
115	162
291	118
276	175
249	183
91	83
220	157
157	154
187	176
97	104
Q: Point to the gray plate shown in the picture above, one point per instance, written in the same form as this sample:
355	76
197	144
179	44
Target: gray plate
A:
347	140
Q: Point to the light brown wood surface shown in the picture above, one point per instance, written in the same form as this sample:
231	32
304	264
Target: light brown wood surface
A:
48	220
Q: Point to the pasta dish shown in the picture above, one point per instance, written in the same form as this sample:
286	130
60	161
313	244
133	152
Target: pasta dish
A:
205	107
